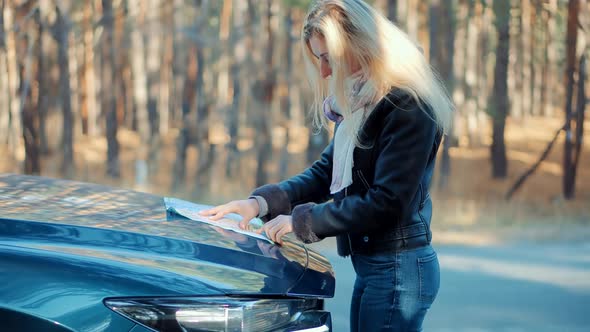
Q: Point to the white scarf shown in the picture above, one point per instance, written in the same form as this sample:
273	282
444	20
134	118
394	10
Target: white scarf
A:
346	135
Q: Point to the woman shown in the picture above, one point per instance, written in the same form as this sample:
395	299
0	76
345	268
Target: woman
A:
390	112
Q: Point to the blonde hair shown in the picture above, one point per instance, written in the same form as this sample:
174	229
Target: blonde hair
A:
353	31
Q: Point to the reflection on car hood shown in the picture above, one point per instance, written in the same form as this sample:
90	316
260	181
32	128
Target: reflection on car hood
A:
72	221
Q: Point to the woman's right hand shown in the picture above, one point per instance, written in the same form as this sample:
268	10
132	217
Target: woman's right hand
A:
246	208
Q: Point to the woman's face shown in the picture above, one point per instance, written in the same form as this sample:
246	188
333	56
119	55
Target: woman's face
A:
318	47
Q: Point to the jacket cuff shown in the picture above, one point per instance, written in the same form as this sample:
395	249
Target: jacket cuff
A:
262	206
277	200
302	223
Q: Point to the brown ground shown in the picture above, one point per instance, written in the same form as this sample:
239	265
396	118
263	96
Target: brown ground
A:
473	205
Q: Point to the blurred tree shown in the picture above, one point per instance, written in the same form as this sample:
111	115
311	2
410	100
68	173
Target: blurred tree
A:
61	32
392	10
571	42
140	91
15	137
109	80
499	104
264	92
30	118
441	16
4	92
89	102
152	32
42	71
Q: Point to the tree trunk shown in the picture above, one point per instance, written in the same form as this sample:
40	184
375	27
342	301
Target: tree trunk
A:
580	117
90	113
140	92
153	63
284	95
263	142
4	92
42	77
392	10
545	63
525	37
30	119
552	58
109	78
571	41
181	50
499	104
188	98
62	34
242	22
15	138
441	54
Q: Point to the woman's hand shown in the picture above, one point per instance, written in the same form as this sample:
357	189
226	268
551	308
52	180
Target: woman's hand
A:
246	208
277	228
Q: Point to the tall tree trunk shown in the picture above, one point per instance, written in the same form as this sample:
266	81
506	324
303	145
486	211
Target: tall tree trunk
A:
515	79
4	92
140	92
109	78
392	10
441	54
62	31
285	95
193	74
179	62
571	41
552	58
525	37
15	138
581	102
470	79
499	104
42	77
30	119
153	63
544	65
90	113
263	141
166	78
242	22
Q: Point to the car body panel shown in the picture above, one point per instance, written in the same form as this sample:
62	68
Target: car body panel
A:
65	246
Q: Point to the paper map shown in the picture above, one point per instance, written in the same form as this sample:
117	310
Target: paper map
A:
230	222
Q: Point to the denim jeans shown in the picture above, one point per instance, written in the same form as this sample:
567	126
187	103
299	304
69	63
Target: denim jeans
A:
394	290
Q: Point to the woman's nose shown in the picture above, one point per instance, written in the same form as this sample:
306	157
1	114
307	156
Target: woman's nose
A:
325	69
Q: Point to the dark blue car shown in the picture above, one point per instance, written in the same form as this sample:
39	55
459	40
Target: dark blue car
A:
84	257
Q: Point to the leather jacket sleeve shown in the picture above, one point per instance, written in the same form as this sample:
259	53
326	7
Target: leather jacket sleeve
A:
312	185
404	146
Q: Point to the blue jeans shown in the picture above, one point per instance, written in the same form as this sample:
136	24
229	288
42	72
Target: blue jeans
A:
393	291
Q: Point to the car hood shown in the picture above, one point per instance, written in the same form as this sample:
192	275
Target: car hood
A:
87	227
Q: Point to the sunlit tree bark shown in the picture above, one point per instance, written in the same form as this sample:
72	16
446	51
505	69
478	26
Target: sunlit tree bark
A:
4	92
15	137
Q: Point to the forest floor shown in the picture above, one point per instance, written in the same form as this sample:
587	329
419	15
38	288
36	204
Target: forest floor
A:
471	210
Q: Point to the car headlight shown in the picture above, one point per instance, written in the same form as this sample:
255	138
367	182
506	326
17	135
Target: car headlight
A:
226	314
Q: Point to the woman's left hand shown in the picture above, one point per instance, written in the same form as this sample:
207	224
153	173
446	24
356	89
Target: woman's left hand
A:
277	228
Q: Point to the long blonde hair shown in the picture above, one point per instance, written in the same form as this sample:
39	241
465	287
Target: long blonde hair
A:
353	31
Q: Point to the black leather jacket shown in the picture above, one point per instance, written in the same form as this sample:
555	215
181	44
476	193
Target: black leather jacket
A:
388	206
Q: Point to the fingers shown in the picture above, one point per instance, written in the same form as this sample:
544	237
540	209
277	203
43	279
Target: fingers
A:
217	212
244	223
277	228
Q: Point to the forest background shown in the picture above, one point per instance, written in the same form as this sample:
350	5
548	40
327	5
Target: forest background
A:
207	99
